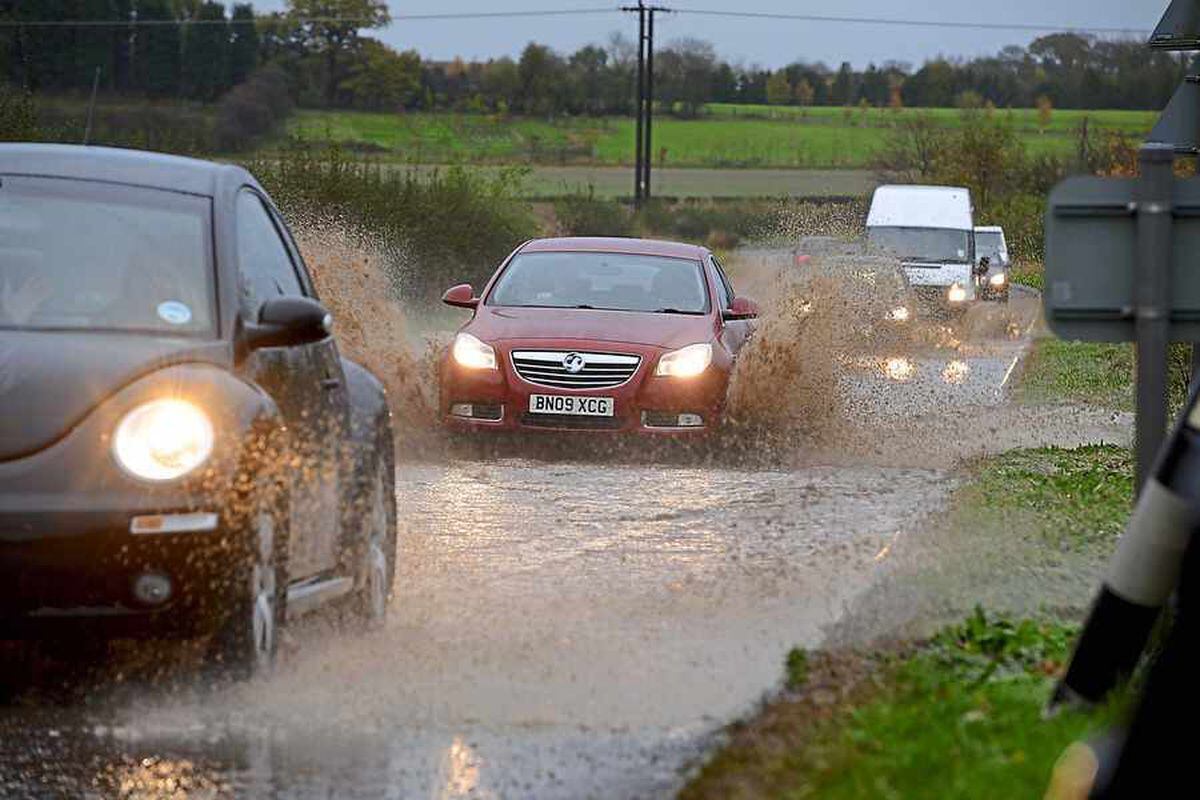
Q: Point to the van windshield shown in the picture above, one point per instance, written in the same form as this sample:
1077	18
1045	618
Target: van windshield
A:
923	244
989	244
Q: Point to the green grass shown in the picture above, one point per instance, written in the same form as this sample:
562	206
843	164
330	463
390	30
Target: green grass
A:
1079	497
961	718
755	137
1088	373
957	715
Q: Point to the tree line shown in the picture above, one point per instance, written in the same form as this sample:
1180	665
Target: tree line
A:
165	58
197	49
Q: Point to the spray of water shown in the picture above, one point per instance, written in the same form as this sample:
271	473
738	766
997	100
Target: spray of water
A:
351	273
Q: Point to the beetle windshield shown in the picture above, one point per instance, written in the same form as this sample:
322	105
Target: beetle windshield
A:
608	281
923	244
81	255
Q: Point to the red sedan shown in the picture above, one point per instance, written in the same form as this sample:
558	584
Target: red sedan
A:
599	335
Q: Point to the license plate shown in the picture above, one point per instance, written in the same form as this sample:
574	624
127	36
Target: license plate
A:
570	406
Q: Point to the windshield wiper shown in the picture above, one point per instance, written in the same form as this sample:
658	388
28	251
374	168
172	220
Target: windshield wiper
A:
675	311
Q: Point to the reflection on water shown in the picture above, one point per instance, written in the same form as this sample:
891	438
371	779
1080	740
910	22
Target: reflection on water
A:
899	369
462	771
155	778
956	372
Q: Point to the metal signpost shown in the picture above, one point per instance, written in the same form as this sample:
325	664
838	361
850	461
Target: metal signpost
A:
1122	264
1121	257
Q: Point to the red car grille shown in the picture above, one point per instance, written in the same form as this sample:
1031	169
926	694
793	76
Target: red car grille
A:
570	369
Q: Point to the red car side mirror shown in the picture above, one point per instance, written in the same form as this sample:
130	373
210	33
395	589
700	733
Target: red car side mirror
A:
740	308
461	296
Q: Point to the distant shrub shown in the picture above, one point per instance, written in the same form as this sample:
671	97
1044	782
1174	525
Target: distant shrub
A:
252	109
584	214
168	127
18	117
438	227
1022	217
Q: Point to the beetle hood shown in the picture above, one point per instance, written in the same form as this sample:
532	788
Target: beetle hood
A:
49	381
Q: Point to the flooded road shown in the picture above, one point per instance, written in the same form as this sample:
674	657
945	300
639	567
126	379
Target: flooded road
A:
561	627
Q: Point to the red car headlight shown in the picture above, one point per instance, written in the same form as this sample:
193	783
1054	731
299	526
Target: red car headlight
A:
686	362
472	353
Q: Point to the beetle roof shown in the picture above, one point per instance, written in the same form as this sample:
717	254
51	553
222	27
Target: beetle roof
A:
135	167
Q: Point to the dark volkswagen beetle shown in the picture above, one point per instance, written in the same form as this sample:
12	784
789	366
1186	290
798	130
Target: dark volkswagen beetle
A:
183	451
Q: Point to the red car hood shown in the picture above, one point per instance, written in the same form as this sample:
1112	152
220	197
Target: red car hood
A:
494	324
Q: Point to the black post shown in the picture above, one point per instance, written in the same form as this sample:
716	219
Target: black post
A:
641	104
1153	194
87	129
649	104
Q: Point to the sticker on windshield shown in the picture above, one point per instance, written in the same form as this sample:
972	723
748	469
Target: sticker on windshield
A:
962	253
174	312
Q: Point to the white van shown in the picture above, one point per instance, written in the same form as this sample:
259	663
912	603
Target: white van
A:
932	231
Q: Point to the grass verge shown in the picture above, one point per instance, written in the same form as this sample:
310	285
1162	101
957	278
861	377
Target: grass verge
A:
1095	374
1079	497
956	715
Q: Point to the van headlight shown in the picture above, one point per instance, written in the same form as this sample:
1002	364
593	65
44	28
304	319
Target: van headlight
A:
686	362
957	294
471	353
163	440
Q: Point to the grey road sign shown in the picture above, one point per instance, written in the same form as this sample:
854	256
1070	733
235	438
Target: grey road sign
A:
1092	256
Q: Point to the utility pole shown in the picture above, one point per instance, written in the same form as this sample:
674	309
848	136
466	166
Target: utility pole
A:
645	99
648	150
638	182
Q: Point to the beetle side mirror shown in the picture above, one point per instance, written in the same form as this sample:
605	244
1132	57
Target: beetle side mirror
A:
288	322
740	308
461	296
981	269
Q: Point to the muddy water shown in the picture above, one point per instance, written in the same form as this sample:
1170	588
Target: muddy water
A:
565	626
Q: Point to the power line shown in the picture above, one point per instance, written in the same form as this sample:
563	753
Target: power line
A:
364	21
910	23
518	14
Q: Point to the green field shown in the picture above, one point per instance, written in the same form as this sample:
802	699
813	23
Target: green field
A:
727	137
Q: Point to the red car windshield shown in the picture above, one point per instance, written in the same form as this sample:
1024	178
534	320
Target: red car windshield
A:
607	281
81	255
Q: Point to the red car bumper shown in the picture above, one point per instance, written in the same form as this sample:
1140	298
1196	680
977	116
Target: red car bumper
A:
499	399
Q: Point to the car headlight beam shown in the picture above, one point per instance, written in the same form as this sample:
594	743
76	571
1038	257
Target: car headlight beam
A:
957	294
999	279
686	362
163	440
471	353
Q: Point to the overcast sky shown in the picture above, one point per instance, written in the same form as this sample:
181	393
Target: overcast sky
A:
756	41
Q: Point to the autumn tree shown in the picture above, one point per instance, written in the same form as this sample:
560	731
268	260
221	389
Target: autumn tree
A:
330	29
805	93
1045	112
779	90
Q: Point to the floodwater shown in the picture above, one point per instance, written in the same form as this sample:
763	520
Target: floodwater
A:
563	625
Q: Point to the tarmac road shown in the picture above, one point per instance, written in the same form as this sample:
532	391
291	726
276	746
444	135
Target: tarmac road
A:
562	627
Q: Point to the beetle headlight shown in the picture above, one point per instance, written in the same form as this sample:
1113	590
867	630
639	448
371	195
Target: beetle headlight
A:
998	279
163	440
686	362
471	353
